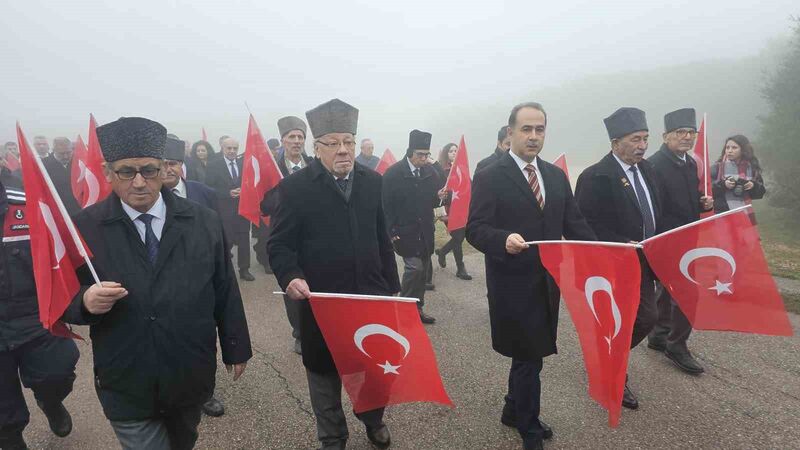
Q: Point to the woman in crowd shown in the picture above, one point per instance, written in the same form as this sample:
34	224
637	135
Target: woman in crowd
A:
202	152
736	176
446	157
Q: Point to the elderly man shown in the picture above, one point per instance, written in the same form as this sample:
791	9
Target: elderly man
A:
224	175
503	144
171	291
517	199
42	146
683	202
619	198
337	243
366	157
410	192
59	167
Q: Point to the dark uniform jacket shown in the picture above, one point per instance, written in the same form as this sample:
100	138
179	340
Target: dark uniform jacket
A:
607	199
523	298
201	194
19	307
156	349
218	177
678	185
484	163
61	180
334	244
408	202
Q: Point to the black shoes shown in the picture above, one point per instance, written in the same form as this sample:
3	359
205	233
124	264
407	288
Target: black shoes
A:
380	436
441	256
58	417
462	273
685	362
629	398
245	275
508	419
213	407
657	344
426	319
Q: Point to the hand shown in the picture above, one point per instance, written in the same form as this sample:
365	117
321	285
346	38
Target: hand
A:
707	202
238	370
442	194
749	185
730	183
515	244
100	300
395	238
298	289
235	192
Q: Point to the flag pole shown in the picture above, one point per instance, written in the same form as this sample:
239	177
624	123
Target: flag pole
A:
705	154
67	220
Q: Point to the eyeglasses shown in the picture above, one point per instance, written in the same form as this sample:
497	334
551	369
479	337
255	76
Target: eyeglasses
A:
422	154
129	173
685	132
349	145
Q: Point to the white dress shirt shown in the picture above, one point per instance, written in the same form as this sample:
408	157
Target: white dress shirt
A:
180	189
413	167
159	213
625	168
234	171
290	165
522	163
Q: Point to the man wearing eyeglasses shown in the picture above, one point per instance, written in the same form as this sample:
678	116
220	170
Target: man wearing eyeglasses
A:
410	193
329	235
224	175
682	203
168	290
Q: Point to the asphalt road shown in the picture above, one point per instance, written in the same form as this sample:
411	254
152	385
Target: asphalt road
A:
749	397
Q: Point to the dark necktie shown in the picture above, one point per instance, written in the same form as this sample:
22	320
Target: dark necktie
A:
533	182
295	168
416	173
234	172
644	206
342	183
150	239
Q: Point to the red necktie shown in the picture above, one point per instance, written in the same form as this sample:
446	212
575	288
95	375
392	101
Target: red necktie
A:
533	182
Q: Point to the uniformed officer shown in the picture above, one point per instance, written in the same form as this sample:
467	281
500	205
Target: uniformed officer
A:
28	352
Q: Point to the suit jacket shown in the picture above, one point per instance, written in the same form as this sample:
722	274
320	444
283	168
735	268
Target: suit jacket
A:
61	180
336	245
201	194
484	163
523	298
607	199
218	177
408	202
156	348
679	187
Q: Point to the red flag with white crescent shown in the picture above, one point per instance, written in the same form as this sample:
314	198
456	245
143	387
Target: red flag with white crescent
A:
77	176
97	187
386	161
561	163
460	186
54	252
716	272
260	174
599	282
380	349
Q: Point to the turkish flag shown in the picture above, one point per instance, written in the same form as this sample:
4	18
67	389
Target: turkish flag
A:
700	155
12	163
460	186
600	284
380	348
386	161
204	135
77	176
96	187
260	174
55	253
561	163
716	271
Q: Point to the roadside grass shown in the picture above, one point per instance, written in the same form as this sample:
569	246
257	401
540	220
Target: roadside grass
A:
780	239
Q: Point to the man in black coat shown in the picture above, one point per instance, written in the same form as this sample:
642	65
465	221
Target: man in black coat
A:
676	173
336	243
517	199
59	167
28	353
410	192
224	175
172	290
503	144
619	198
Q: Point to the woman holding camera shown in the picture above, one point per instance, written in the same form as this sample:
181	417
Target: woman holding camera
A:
736	176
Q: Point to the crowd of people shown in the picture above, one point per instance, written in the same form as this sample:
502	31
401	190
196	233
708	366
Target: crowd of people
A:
335	225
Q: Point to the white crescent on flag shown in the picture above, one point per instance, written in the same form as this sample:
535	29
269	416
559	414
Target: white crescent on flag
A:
702	252
91	183
373	329
58	244
256	170
594	284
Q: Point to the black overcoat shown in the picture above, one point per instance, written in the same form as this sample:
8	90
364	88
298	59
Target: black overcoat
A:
336	245
678	185
156	349
218	177
523	298
61	175
408	202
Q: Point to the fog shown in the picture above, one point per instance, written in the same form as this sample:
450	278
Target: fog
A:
447	67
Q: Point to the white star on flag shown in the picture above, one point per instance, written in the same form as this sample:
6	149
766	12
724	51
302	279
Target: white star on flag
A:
721	288
389	368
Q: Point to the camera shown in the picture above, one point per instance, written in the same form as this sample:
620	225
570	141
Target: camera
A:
738	188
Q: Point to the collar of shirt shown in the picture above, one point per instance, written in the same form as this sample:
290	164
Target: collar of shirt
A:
158	211
181	187
290	165
413	167
682	156
347	177
625	166
521	163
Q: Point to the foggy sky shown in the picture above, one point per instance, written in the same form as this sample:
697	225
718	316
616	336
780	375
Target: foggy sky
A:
404	64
